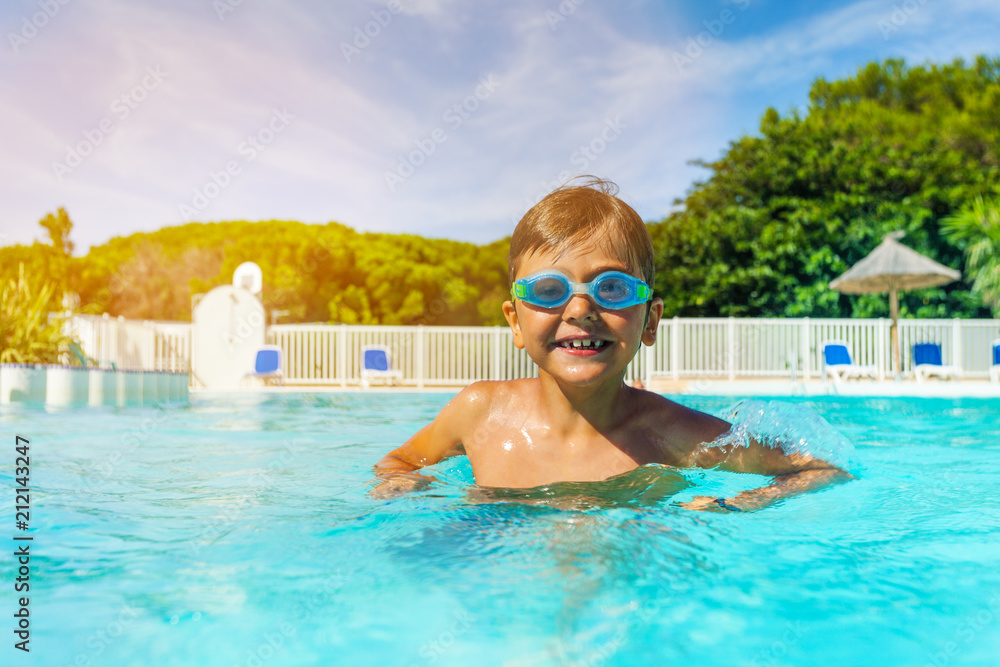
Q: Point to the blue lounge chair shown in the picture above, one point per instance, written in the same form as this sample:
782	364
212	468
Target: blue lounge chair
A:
995	362
267	365
840	366
927	363
376	364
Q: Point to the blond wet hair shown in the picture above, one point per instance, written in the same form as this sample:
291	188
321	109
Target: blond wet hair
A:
584	214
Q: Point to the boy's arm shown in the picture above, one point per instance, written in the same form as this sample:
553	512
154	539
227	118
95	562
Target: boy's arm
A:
439	439
783	486
793	473
419	451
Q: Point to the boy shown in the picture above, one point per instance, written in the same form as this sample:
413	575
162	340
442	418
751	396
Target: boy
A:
581	262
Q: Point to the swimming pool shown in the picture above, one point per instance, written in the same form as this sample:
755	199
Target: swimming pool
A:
237	530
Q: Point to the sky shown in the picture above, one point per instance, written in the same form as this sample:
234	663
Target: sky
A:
444	118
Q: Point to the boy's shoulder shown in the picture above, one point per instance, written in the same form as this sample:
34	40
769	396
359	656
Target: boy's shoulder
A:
494	401
488	393
678	428
657	406
500	387
486	404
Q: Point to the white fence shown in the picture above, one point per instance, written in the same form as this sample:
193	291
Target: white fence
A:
133	344
324	354
427	356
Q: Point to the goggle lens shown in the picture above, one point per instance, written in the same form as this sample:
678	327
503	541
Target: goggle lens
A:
549	289
613	290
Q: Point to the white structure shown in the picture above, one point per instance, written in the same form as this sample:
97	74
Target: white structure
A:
249	277
102	387
22	383
66	385
227	329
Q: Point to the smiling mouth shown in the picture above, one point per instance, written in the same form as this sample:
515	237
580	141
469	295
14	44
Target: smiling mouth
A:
583	344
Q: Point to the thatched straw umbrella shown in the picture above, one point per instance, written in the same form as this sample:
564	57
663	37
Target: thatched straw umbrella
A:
889	268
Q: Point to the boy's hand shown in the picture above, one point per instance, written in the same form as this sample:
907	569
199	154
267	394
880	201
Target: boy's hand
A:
783	486
397	485
705	503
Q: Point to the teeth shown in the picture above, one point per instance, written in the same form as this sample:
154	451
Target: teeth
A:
583	343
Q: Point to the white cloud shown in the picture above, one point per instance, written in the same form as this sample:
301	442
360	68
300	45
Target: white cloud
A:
558	90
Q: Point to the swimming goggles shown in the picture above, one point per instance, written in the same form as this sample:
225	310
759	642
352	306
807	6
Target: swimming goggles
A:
613	290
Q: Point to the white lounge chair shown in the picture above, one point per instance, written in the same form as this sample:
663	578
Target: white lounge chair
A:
927	363
376	364
995	361
840	366
267	366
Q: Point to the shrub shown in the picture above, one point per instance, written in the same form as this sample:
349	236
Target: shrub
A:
27	334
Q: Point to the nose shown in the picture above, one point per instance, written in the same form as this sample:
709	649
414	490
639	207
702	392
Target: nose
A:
580	307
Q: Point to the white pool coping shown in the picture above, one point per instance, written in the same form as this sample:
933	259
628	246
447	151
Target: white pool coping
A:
697	387
887	388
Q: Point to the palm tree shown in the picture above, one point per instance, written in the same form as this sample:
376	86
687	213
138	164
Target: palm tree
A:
977	228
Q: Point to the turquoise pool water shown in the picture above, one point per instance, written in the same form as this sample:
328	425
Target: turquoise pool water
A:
238	531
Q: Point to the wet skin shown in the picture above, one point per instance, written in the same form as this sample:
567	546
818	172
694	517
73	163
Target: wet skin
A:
577	421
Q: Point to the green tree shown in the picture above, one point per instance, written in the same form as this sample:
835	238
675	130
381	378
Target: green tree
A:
317	273
51	262
788	210
976	228
59	226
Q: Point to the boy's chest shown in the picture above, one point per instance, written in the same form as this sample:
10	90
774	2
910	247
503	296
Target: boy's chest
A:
523	458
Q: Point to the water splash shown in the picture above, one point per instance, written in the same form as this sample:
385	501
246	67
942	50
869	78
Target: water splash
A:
795	428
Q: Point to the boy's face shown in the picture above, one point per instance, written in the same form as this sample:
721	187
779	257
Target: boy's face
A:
546	332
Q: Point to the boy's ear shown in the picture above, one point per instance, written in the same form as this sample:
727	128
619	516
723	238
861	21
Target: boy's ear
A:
510	313
652	321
